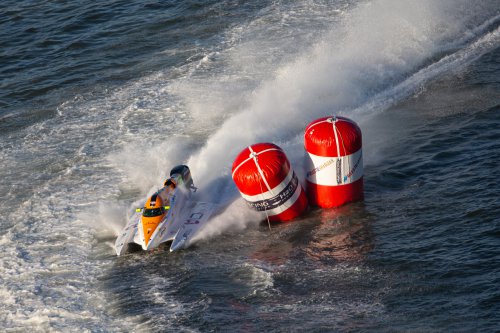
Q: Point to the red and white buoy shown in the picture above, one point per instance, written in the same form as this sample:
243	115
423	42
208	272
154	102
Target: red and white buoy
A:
267	182
334	166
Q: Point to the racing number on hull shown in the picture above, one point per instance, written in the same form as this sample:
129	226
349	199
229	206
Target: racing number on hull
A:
194	218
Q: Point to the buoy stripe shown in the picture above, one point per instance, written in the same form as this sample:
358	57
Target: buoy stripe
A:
334	171
289	191
270	194
314	124
287	204
333	119
252	157
255	159
335	130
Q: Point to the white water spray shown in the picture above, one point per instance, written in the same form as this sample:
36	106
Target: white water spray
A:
372	49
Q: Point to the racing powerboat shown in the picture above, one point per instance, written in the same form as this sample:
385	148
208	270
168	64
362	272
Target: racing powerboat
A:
167	215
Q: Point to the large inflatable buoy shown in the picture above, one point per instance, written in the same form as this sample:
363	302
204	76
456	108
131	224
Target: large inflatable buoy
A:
334	162
267	182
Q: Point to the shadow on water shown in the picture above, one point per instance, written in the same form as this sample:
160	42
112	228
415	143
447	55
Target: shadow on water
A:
144	286
320	272
344	235
259	276
328	236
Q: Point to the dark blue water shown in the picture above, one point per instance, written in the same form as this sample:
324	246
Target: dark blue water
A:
52	51
98	100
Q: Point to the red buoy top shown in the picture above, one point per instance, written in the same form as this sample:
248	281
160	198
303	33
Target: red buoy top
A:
260	168
332	136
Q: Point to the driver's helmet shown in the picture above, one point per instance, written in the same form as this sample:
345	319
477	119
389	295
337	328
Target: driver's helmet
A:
153	202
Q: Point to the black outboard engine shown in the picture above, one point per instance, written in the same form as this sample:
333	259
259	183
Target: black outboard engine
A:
185	173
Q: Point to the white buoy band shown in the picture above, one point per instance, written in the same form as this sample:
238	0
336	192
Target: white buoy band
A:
334	171
278	199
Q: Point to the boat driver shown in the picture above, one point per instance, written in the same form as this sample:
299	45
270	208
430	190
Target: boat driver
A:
170	184
167	191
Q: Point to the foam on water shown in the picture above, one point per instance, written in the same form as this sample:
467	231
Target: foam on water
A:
376	47
480	41
360	67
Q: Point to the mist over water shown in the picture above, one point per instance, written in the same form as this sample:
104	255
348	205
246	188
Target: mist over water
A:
106	98
371	49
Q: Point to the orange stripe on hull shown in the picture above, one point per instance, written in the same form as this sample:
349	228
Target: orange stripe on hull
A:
149	225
